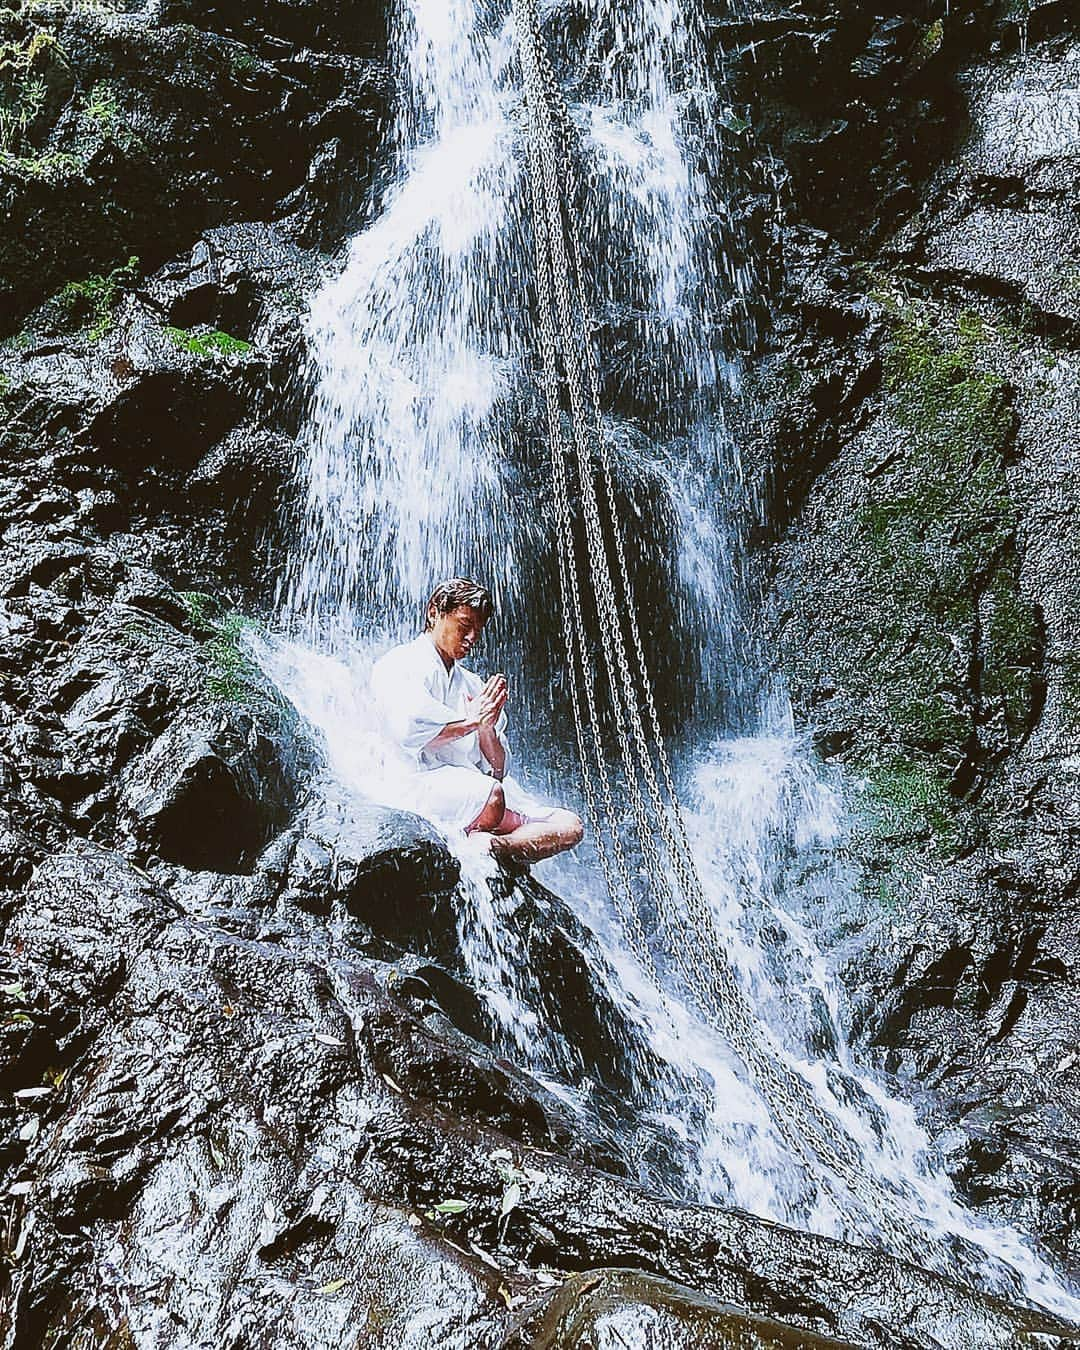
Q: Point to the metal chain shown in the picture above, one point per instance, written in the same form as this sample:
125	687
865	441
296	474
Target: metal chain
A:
565	328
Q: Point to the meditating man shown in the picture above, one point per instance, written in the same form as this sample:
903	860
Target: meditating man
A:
452	726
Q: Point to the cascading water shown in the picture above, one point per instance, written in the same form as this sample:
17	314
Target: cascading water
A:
421	464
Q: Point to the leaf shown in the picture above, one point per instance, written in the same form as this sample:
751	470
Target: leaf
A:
327	1040
332	1287
733	120
15	990
20	1245
21	1188
29	1131
218	1157
451	1206
511	1199
391	1084
25	1094
484	1256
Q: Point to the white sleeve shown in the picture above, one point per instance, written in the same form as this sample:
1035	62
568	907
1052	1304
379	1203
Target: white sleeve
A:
411	715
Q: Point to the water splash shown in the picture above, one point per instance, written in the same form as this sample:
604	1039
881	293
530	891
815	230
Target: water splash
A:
419	464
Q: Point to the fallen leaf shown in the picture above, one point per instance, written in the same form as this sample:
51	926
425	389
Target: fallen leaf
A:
451	1206
327	1040
332	1287
29	1131
24	1094
390	1083
20	1245
511	1199
13	990
21	1188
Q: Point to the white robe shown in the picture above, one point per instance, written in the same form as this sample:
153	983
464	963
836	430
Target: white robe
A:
416	697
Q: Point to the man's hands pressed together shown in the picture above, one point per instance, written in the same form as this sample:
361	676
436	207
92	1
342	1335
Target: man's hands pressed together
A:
481	714
490	701
486	707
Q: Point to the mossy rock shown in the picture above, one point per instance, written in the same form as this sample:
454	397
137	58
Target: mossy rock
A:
910	643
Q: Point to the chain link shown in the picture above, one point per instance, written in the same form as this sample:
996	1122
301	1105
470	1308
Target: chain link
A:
569	364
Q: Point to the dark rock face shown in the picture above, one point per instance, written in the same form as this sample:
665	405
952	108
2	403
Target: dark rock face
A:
919	382
254	1096
158	128
218	1120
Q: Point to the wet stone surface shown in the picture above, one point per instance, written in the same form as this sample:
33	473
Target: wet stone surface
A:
251	1091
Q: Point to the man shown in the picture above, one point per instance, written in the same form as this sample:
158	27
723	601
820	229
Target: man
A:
452	725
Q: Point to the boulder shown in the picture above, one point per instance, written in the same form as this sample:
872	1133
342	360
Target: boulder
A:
211	790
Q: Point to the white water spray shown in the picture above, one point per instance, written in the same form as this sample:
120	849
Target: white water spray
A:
418	467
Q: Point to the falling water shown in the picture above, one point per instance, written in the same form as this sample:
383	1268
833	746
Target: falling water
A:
421	462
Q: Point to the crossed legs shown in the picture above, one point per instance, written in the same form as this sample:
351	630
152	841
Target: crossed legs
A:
521	840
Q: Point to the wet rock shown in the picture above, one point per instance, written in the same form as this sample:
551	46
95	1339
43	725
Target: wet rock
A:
210	791
928	640
229	1126
387	868
612	1307
170	126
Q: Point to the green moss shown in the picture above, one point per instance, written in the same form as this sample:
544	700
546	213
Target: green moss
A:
210	344
231	674
243	63
910	640
50	166
91	302
930	43
942	396
908	801
103	106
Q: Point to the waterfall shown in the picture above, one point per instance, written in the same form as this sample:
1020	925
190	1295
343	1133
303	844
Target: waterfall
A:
422	460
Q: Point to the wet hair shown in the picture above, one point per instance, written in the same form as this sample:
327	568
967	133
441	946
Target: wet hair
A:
458	591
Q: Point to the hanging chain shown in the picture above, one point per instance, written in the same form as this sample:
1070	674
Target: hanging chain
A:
569	363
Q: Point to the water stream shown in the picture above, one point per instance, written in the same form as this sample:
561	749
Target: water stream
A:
422	461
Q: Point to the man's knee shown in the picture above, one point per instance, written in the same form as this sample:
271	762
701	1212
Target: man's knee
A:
571	830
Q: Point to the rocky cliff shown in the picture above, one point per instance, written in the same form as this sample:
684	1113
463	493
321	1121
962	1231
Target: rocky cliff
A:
250	1097
915	412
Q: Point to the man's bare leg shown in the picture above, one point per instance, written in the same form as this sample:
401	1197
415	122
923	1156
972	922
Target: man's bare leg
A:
527	842
493	814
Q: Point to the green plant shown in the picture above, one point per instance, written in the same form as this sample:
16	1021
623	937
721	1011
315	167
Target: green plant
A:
242	62
26	69
211	344
102	105
930	43
231	674
21	104
93	299
49	166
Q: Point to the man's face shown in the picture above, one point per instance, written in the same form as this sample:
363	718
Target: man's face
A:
456	632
